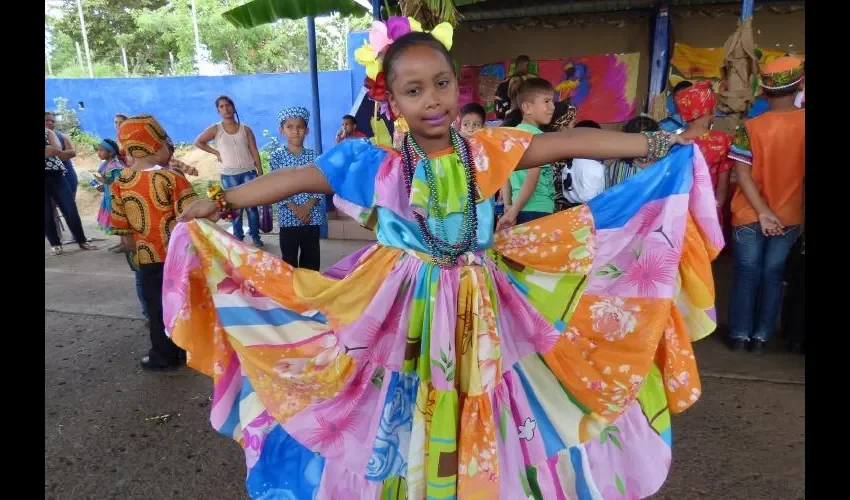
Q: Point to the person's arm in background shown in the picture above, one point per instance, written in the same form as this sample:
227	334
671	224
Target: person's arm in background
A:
69	151
505	192
770	223
255	153
118	219
203	140
53	148
525	193
722	188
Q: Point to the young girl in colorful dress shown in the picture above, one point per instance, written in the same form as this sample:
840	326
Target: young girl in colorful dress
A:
543	362
108	170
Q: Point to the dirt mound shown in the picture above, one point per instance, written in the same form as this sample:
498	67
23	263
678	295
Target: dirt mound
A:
88	199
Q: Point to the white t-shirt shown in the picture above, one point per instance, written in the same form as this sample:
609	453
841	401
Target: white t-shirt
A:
800	100
583	181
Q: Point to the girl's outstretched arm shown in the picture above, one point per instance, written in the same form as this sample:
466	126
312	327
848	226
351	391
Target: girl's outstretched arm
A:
586	143
269	188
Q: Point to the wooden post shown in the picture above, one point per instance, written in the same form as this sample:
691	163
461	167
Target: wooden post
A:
79	56
124	57
85	36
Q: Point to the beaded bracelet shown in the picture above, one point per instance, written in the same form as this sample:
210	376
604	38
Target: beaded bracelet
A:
658	145
216	194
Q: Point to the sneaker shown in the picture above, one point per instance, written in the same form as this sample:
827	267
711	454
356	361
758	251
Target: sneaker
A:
258	243
757	346
737	344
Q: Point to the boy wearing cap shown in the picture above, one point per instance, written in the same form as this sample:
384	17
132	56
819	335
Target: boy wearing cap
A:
300	216
768	204
146	200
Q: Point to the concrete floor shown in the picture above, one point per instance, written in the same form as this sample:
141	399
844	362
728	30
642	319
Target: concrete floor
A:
113	431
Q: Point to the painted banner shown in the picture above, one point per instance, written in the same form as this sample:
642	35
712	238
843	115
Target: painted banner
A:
603	87
696	63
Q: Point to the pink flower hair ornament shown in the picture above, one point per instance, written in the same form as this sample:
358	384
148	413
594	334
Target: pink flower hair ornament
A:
381	36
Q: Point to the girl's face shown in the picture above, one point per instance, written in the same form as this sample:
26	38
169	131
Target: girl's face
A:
470	124
424	91
225	108
118	121
103	154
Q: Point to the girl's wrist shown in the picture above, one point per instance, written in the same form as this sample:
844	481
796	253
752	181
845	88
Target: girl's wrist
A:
658	145
218	195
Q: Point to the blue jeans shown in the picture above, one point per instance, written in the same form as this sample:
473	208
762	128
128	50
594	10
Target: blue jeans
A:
759	275
140	294
71	178
524	217
57	190
231	181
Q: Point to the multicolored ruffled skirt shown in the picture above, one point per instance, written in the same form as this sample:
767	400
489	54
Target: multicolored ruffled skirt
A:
547	367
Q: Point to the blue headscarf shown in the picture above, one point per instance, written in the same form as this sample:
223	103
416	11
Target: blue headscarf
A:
109	147
294	112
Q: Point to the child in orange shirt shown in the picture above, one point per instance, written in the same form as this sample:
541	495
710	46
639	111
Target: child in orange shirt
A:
767	207
146	200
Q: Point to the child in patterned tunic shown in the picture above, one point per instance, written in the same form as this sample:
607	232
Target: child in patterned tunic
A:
300	216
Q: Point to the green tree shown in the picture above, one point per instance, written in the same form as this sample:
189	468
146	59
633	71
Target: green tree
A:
150	34
106	21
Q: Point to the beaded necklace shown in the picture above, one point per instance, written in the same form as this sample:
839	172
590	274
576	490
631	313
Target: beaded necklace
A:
443	253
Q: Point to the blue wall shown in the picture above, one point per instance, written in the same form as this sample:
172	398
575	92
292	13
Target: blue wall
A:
186	105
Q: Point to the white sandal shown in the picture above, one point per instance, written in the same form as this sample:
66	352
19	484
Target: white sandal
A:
57	250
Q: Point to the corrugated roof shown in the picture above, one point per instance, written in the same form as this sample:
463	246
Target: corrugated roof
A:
508	9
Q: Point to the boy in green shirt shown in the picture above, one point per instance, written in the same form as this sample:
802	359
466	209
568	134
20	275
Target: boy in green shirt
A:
530	194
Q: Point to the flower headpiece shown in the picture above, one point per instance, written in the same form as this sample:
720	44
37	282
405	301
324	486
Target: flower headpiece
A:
381	36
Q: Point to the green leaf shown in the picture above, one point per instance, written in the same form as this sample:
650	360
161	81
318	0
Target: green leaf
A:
581	235
603	437
503	423
378	377
444	357
616	441
258	12
637	251
579	253
620	486
602	273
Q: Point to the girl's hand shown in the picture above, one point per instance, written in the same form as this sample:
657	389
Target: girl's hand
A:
678	139
507	220
201	209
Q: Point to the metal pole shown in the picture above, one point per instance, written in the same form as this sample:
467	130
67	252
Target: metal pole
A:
660	43
49	66
197	37
746	9
171	58
79	56
124	57
314	82
85	36
376	9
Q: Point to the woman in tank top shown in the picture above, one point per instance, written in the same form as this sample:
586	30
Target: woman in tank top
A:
236	150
